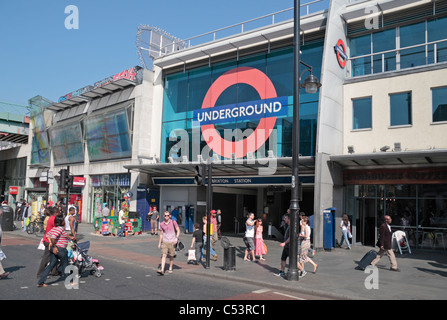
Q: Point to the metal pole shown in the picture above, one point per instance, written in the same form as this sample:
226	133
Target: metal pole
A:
294	198
209	207
68	192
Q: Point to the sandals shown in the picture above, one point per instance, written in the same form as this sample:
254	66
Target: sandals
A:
160	272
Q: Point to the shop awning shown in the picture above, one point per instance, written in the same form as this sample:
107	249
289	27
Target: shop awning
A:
243	167
393	158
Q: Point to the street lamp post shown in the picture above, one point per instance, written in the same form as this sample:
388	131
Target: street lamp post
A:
311	85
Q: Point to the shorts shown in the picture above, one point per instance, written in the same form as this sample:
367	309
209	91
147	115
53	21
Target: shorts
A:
249	243
285	254
168	248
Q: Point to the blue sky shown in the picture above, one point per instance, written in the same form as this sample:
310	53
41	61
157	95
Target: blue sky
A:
39	56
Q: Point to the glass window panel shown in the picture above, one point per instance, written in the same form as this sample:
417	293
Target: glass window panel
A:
439	98
107	136
400	109
199	81
411	35
384	41
360	46
66	142
437	30
362	113
175	102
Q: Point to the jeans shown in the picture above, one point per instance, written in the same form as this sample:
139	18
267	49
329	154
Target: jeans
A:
198	247
62	255
344	237
121	230
212	252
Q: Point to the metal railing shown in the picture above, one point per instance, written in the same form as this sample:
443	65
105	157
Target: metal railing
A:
263	21
391	60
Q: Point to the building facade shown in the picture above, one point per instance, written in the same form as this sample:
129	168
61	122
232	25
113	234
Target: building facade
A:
371	138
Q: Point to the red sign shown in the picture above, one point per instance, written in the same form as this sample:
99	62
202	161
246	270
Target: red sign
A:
13	190
78	181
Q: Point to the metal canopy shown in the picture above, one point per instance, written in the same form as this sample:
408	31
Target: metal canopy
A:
92	93
403	158
13	137
240	168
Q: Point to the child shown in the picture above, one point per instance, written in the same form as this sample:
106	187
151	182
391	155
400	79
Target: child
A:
259	242
197	237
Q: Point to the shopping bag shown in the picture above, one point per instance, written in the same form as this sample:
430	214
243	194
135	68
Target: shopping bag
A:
191	255
41	246
2	255
265	247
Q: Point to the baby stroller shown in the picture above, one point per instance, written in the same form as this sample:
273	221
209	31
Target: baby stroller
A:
83	261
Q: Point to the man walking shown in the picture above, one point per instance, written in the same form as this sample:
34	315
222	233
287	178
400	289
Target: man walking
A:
285	245
169	233
385	245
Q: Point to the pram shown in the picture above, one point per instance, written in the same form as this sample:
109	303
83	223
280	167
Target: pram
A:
83	261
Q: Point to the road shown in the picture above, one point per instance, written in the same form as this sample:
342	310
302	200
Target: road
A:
122	280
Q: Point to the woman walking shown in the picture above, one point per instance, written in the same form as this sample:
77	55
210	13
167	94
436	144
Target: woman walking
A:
345	227
57	247
305	245
259	241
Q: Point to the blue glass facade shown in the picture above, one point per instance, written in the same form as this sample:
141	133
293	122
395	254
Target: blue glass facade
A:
184	92
401	47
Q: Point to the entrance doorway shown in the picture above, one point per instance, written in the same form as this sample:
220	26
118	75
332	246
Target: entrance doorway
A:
365	222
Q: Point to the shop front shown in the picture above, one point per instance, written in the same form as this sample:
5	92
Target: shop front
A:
414	198
110	189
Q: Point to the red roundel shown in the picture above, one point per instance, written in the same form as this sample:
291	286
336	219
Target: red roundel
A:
264	86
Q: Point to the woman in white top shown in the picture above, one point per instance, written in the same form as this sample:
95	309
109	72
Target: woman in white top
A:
305	245
345	226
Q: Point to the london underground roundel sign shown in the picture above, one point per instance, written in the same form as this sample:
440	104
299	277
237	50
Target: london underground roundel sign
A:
264	87
342	56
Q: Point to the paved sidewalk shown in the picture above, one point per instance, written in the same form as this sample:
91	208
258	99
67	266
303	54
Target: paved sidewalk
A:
423	274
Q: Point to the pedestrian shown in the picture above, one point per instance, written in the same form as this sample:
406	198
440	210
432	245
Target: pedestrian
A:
204	230
121	222
176	215
197	242
219	224
18	212
304	238
213	221
260	248
169	234
70	221
385	244
26	213
153	216
106	210
345	227
249	237
3	273
285	246
58	249
52	212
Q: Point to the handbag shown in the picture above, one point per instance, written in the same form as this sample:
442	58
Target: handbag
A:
180	246
265	247
191	255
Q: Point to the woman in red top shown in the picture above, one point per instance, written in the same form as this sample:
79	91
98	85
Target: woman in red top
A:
52	211
57	247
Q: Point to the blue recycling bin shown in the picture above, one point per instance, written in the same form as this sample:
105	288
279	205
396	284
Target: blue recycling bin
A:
329	228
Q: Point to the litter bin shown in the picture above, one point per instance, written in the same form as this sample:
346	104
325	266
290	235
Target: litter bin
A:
229	254
7	220
329	228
